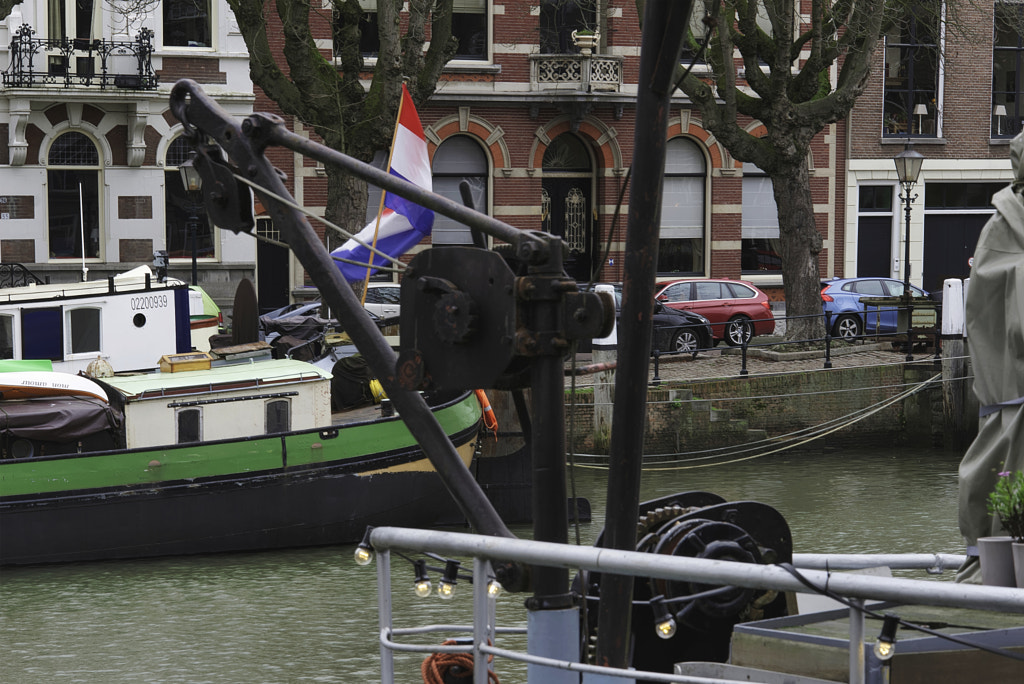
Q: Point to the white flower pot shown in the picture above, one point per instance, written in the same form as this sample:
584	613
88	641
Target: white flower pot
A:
1017	550
996	557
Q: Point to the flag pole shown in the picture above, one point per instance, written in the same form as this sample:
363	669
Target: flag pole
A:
383	193
81	229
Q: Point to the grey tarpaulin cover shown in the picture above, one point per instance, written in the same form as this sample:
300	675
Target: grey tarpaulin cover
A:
995	335
56	419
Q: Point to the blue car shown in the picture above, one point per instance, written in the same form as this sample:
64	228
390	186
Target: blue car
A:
841	297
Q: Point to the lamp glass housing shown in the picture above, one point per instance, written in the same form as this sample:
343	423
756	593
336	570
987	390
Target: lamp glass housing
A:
190	177
908	165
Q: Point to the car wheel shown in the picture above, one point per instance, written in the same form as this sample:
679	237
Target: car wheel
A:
847	328
738	330
684	341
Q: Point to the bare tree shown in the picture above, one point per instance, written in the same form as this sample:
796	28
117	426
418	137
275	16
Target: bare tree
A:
328	94
6	6
800	73
127	16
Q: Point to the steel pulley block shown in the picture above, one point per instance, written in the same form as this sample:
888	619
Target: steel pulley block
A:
457	322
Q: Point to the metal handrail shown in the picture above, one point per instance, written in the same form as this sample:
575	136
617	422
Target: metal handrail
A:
55	61
484	549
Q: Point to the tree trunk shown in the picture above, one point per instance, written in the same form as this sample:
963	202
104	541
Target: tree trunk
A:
801	244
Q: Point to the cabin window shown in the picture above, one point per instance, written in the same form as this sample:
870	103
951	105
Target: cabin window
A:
73	197
6	337
84	330
278	413
189	425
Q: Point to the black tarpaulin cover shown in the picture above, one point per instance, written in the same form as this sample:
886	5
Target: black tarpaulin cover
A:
56	419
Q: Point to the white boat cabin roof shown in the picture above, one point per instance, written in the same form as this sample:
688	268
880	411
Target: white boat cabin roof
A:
235	376
127	281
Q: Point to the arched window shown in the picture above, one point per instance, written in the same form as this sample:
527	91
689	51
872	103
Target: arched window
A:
184	216
566	200
73	197
682	244
278	416
458	159
189	425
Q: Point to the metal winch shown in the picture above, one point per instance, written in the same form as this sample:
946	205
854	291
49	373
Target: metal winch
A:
695	525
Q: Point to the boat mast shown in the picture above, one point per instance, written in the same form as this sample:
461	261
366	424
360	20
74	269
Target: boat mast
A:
664	29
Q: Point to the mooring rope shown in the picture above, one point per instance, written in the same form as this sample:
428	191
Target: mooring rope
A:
817	434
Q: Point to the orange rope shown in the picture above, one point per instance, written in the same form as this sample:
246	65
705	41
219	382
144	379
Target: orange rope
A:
439	665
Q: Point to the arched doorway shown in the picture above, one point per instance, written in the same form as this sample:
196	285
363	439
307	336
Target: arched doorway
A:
567	202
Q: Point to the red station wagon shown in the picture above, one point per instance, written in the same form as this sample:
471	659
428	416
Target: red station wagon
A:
737	310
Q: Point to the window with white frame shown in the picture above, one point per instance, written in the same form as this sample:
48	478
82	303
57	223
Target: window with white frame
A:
7	346
184	216
1007	63
78	20
470	28
760	223
187	23
83	330
682	244
459	158
73	197
911	74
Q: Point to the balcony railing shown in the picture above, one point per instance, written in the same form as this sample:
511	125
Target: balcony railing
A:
576	73
76	62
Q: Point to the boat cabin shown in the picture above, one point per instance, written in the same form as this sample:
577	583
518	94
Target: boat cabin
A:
129	320
242	399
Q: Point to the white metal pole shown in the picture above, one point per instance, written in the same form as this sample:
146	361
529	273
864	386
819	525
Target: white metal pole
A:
81	230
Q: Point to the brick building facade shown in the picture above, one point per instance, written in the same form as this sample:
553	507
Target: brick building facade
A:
544	131
953	91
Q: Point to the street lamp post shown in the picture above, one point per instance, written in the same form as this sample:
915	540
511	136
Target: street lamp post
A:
193	184
908	168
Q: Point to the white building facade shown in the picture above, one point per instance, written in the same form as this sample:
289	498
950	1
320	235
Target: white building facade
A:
89	150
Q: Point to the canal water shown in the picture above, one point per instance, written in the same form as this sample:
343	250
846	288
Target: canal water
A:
309	615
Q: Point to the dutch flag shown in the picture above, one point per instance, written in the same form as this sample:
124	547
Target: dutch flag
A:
403	223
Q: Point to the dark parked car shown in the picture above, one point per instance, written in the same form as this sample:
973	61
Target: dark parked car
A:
737	310
841	297
680	331
672	330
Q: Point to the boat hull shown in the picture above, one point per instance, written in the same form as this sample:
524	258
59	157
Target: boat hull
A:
301	502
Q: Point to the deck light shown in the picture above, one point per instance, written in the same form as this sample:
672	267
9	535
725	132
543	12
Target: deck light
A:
446	589
494	588
364	552
885	646
664	623
422	583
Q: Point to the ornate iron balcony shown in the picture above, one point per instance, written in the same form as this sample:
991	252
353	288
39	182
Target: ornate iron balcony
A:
576	73
72	62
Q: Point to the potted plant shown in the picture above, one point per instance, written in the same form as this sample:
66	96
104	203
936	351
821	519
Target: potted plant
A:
1006	502
586	40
